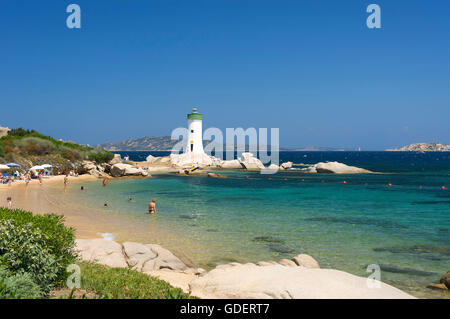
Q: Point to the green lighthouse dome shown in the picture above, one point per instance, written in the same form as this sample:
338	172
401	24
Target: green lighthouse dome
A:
194	115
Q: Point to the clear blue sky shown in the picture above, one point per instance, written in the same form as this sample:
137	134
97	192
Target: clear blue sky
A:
311	68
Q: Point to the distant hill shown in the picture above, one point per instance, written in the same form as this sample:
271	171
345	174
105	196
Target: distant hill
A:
422	147
148	143
164	143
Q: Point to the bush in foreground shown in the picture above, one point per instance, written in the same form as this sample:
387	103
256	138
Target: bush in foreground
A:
18	286
40	245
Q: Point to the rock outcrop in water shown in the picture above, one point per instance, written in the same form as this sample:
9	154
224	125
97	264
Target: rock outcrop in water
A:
250	162
300	277
335	168
286	165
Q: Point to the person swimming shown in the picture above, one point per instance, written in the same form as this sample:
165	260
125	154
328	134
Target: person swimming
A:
152	207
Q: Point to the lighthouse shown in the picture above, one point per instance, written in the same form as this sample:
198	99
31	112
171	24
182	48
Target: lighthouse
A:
195	133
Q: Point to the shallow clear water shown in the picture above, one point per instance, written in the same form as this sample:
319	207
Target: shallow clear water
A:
404	227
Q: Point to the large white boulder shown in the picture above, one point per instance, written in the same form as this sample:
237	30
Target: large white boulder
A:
250	162
164	260
287	282
120	169
286	165
190	159
137	254
232	164
102	251
338	168
88	167
116	159
151	159
306	261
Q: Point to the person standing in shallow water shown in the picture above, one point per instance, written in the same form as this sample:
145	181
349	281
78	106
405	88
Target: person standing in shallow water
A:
105	182
152	207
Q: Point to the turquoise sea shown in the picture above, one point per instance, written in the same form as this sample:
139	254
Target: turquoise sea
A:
248	217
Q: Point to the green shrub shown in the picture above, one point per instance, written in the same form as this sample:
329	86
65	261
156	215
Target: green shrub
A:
20	132
18	286
58	239
100	156
124	283
23	250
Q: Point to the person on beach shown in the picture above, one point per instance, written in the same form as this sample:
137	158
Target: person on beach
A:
40	179
66	181
27	178
152	207
9	200
105	182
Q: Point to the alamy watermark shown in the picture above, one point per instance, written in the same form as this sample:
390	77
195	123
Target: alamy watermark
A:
374	279
374	19
73	21
74	279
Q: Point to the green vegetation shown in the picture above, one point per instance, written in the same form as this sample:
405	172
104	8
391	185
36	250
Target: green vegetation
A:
123	283
35	251
36	247
20	144
18	286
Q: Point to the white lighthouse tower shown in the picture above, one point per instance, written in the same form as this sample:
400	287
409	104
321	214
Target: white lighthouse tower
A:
195	133
194	154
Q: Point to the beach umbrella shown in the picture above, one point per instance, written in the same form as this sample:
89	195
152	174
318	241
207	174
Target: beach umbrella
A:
3	167
36	168
13	165
46	166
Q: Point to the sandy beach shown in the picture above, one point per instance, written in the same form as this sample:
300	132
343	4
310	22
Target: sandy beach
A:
35	198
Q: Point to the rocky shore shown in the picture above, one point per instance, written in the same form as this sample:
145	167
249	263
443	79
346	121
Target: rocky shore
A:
182	163
299	277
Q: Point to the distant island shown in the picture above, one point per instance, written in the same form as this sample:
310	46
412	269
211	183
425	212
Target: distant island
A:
422	147
165	143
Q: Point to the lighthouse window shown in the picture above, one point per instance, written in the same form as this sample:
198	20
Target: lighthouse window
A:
192	131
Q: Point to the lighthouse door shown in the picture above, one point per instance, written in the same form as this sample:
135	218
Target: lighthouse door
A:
192	147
